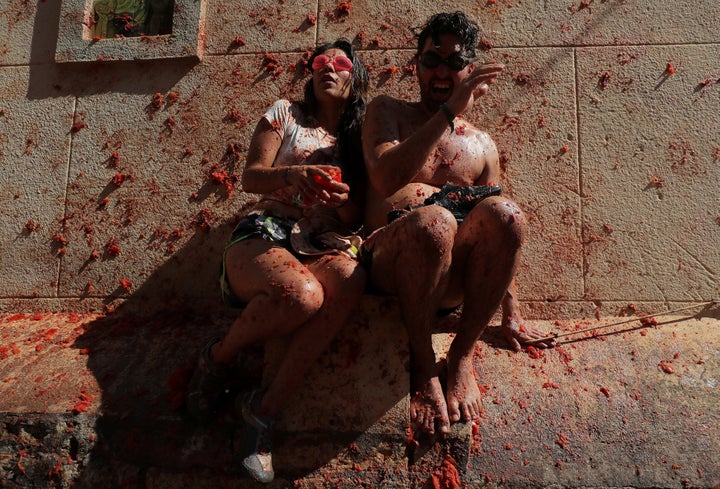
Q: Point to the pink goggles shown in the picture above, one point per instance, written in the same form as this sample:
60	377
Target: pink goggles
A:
340	63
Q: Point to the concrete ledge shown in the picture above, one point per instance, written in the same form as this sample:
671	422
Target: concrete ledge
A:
80	388
353	409
95	401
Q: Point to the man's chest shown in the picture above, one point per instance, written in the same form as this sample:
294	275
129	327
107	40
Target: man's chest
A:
456	159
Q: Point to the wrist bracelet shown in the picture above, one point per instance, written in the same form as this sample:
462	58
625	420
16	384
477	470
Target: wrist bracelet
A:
449	115
285	175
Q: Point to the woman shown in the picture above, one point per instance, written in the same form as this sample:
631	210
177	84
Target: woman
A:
296	155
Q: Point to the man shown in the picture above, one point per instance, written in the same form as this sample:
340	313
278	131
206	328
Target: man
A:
426	257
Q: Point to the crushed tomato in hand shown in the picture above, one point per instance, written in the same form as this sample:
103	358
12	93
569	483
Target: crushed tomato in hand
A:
335	175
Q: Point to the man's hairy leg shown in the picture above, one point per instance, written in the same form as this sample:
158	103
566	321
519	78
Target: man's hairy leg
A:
514	328
486	253
411	259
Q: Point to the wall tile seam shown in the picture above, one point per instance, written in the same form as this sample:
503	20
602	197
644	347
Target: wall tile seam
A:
317	24
71	141
401	48
495	47
580	183
21	65
529	300
601	45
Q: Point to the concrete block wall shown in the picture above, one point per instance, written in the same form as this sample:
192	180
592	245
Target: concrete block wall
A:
119	179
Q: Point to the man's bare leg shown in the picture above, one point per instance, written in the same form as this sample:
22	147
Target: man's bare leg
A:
411	258
487	249
514	328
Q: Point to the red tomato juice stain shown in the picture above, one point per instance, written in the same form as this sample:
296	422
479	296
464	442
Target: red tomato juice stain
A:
666	367
648	321
112	248
157	101
85	400
446	476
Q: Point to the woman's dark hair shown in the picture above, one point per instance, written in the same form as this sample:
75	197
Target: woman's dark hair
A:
348	137
456	23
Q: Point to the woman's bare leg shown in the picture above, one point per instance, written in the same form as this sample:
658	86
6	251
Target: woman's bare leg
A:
281	294
343	281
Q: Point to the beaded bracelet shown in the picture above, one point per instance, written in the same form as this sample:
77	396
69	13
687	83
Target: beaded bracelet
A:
450	116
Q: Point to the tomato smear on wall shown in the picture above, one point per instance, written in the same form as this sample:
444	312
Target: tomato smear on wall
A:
84	403
125	284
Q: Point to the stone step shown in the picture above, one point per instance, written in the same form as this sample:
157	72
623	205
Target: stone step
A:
81	393
89	400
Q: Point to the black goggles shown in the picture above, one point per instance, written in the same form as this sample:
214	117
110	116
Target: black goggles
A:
455	62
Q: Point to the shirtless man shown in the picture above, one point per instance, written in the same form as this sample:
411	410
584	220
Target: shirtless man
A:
425	257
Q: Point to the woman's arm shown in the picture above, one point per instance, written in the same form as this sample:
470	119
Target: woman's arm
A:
259	176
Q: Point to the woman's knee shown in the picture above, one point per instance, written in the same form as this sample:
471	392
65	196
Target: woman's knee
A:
288	305
301	298
342	276
257	269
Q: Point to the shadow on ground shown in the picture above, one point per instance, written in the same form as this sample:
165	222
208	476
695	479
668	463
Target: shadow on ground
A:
142	356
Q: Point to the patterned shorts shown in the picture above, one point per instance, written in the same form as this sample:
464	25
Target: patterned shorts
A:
255	225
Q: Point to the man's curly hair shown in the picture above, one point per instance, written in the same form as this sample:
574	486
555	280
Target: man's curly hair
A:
456	23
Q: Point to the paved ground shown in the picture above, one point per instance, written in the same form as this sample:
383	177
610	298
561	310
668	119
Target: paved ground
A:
96	401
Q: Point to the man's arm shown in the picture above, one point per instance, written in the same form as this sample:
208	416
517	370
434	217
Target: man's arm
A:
391	163
491	166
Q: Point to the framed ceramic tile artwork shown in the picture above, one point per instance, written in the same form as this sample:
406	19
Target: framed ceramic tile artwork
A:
106	30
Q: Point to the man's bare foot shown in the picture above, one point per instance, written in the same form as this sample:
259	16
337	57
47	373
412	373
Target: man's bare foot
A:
463	395
518	334
428	408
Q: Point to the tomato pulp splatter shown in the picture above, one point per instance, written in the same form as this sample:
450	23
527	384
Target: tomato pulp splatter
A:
335	175
446	476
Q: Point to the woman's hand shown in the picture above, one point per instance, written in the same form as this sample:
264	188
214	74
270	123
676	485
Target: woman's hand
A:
320	184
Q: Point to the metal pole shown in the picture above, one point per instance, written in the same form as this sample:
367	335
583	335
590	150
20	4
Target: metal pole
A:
640	318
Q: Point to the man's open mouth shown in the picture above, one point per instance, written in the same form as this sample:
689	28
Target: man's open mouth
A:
441	89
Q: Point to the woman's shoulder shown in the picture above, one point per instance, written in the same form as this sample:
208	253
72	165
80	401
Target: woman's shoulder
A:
280	106
282	102
286	113
288	109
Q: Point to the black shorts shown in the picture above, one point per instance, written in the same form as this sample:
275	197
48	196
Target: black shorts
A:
255	225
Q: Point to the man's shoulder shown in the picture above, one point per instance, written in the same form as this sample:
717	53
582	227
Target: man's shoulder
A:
386	102
469	129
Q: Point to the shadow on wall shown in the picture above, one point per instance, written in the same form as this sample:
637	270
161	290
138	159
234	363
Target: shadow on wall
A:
162	73
143	354
143	359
